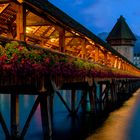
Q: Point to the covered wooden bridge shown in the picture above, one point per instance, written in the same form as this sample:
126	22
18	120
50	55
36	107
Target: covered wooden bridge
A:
44	51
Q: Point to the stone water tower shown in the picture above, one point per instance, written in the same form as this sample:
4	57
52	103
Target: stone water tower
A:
122	39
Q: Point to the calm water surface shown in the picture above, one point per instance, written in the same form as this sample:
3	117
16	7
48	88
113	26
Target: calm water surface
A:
122	124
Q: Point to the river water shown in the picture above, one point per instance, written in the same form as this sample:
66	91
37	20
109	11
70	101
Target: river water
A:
121	124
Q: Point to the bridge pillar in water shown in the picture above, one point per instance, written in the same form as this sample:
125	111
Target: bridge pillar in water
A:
14	116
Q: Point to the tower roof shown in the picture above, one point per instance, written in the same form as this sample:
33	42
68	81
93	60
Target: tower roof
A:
121	30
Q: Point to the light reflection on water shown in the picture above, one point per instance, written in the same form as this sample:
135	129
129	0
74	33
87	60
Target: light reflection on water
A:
62	121
120	125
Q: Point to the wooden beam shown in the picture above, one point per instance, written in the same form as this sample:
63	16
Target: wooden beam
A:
84	49
116	63
105	57
5	6
21	22
20	1
112	60
36	30
14	115
68	43
27	124
5	1
96	53
45	32
3	124
45	115
91	98
62	40
63	101
73	100
38	24
119	65
3	26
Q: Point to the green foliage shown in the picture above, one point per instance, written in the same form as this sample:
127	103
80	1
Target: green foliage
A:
2	51
83	64
34	56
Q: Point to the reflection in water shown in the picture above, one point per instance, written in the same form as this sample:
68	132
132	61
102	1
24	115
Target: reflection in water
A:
134	125
66	127
118	124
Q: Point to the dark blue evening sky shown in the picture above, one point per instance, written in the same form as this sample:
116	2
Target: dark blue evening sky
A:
101	15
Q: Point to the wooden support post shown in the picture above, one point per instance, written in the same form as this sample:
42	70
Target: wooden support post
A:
95	97
117	90
113	91
107	91
112	60
119	65
5	129
73	98
64	102
84	49
26	126
84	101
92	100
45	115
100	98
51	102
81	101
14	116
103	97
105	58
123	65
62	39
21	22
115	63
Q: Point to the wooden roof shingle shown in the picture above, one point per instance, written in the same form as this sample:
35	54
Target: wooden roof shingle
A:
121	31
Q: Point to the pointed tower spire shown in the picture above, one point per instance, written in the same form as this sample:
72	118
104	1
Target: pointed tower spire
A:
121	30
122	39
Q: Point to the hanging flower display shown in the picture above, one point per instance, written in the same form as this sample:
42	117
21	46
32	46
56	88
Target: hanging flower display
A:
23	61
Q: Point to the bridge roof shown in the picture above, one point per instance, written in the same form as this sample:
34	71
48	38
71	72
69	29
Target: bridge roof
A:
48	10
121	30
61	17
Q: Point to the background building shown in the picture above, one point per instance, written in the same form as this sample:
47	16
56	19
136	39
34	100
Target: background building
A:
136	59
122	39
